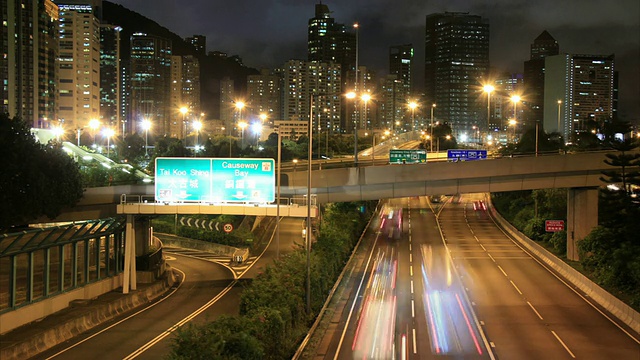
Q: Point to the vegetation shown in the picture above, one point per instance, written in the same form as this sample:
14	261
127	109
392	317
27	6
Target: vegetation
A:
238	238
272	319
36	179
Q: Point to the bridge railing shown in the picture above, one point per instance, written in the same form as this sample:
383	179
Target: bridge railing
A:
150	199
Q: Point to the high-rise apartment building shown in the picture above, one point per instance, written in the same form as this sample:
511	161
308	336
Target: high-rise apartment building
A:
329	41
456	65
584	85
110	77
228	113
150	82
398	93
544	45
79	62
27	65
302	79
185	93
263	92
393	104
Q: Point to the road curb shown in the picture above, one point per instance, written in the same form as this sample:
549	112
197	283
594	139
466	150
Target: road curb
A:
88	316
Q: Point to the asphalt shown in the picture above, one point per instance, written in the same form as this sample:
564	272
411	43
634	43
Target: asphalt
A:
31	339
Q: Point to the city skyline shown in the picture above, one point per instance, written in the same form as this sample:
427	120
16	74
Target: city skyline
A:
268	33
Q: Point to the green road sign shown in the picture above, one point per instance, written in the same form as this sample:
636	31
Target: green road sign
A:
215	180
413	156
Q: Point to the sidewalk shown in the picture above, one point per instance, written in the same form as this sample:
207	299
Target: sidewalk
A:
32	339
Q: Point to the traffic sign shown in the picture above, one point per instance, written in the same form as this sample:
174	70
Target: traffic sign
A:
227	228
466	154
553	225
215	180
411	156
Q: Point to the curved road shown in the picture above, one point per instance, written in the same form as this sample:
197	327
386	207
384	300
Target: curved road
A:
207	291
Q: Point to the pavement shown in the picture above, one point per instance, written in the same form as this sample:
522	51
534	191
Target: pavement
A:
32	339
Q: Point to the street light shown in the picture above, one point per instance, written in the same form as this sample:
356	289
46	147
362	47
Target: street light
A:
515	99
94	124
352	95
559	106
513	123
146	125
197	126
488	89
108	133
242	125
413	105
433	106
58	131
257	130
184	110
263	117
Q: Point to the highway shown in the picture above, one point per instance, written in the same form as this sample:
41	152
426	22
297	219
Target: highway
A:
460	288
207	290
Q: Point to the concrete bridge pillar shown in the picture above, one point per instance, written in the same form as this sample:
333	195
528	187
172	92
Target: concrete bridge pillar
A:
582	217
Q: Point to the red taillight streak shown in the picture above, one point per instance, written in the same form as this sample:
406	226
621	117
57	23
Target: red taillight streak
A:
473	335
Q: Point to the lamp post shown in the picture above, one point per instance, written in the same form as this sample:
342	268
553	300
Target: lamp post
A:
308	231
559	107
146	125
257	130
355	128
242	125
352	95
488	89
108	133
515	99
365	98
433	106
413	105
184	111
94	124
513	123
197	125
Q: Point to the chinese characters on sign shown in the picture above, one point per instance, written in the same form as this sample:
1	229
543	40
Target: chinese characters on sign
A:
215	180
553	225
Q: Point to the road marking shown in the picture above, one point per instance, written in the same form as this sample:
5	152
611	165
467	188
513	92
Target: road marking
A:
492	344
415	350
409	246
505	274
535	311
514	285
494	260
413	309
411	270
483	248
410	258
563	344
411	288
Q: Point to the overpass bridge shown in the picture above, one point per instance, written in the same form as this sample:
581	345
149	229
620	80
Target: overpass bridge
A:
579	172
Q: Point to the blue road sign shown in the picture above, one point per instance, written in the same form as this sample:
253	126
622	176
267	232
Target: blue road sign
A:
466	154
215	180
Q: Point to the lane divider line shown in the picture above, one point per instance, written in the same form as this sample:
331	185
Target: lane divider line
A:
514	285
505	274
563	344
535	311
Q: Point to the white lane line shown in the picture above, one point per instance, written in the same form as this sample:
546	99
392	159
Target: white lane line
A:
514	285
494	260
563	344
410	258
411	270
413	309
415	350
483	248
411	288
535	311
505	274
409	247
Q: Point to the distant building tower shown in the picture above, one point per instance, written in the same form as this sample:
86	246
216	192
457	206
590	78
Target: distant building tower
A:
304	78
400	57
110	77
585	85
228	104
151	81
264	95
329	41
544	45
199	43
185	92
456	65
28	62
79	62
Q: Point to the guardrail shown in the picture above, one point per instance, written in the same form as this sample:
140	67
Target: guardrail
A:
150	199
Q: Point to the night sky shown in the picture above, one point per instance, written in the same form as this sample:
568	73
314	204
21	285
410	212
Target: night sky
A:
266	33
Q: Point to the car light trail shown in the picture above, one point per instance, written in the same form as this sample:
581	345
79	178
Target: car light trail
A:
466	319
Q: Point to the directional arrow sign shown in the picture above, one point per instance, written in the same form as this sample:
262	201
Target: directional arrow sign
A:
196	223
182	220
189	221
217	226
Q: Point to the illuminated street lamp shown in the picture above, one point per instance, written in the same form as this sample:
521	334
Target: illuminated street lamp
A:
515	99
352	95
242	125
184	111
146	125
257	131
58	131
413	105
559	106
108	133
513	123
94	124
488	89
197	126
263	117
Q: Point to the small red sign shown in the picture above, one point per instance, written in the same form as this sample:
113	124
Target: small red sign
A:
227	228
553	225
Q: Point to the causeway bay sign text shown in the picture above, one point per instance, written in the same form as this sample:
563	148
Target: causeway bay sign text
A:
215	180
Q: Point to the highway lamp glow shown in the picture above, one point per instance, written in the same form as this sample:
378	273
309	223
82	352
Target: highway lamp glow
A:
413	105
256	127
94	124
488	89
146	125
108	133
58	131
184	110
197	126
242	126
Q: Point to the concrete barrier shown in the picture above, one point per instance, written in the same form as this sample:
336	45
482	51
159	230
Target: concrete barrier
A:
612	304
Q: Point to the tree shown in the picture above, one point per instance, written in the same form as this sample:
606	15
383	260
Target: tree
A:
625	163
132	147
36	179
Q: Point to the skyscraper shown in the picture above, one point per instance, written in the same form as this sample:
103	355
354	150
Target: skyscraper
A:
150	81
400	57
199	43
28	62
185	92
544	45
264	94
329	41
110	76
79	62
585	86
456	65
